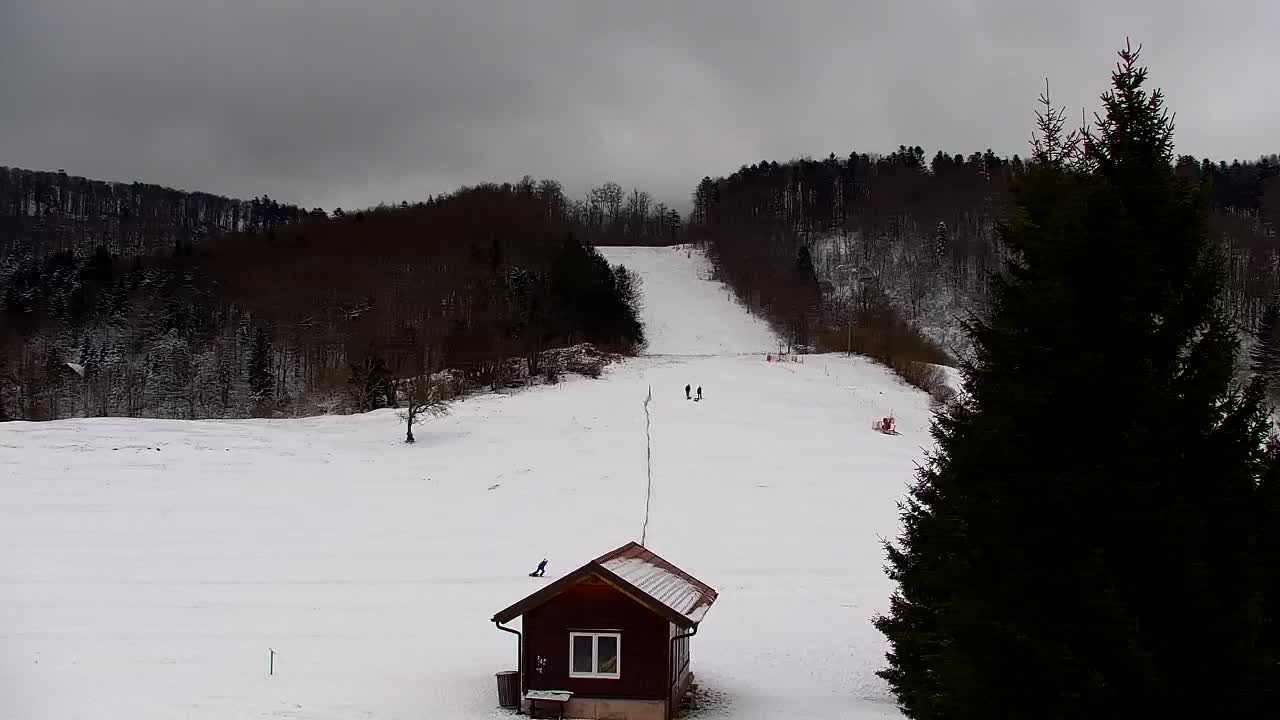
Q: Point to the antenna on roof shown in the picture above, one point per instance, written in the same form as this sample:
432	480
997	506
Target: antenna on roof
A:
648	467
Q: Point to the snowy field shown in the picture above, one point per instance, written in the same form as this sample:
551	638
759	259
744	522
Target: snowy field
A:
147	567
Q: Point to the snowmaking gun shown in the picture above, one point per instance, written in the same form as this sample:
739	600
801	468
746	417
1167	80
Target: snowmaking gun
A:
885	425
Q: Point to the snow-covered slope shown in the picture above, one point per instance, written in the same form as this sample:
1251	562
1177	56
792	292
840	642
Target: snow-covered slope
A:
148	567
684	312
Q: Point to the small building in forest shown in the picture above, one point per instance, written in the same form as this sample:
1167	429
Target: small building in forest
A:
612	637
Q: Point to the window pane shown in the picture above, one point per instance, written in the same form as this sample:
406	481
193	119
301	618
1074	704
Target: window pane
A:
581	654
607	654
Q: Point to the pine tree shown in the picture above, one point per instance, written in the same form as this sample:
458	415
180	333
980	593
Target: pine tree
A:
168	385
369	383
1079	544
1267	523
805	299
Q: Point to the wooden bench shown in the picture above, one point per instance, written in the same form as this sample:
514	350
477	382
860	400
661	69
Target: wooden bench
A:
550	699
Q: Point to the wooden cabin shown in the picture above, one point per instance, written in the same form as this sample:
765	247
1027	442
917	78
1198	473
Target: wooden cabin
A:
614	633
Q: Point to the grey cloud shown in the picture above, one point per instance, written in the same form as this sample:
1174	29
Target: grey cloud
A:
336	103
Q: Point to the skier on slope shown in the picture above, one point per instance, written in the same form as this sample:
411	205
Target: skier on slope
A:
542	568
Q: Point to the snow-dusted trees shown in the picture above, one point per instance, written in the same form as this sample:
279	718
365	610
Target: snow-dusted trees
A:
321	315
169	374
923	236
922	232
262	382
369	383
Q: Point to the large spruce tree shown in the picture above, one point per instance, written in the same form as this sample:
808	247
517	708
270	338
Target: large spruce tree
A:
1267	522
1081	544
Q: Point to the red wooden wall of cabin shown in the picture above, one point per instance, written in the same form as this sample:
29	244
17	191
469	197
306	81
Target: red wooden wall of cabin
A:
586	607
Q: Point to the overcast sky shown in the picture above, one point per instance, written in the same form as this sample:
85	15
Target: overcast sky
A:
345	103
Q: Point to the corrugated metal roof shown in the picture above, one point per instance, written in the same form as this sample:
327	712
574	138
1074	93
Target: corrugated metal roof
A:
652	581
660	580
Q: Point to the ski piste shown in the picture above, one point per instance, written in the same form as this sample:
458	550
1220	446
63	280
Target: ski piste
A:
150	585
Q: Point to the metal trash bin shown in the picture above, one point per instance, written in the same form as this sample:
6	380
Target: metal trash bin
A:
509	689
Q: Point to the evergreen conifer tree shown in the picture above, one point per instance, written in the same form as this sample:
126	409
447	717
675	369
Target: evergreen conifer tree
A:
1081	542
1267	524
805	299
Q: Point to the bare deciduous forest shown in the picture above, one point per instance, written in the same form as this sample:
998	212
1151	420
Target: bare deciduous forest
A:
887	255
138	300
222	308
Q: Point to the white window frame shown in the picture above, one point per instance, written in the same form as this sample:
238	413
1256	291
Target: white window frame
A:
595	655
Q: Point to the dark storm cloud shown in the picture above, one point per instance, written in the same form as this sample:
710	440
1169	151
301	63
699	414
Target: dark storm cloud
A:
339	103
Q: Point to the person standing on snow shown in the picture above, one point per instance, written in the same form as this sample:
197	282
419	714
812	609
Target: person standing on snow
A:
687	396
699	393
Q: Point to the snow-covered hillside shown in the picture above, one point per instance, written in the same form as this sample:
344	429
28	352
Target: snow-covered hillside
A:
147	567
684	313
